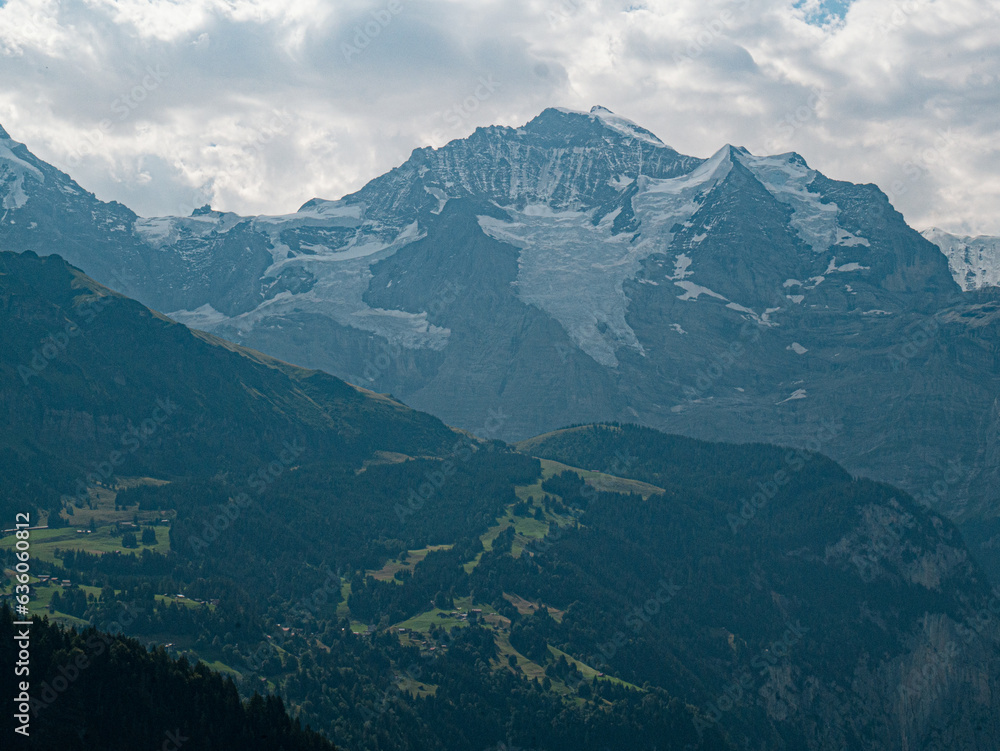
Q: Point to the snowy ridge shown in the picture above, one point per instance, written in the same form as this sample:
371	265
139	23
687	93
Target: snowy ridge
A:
167	231
787	177
624	126
13	170
559	158
974	261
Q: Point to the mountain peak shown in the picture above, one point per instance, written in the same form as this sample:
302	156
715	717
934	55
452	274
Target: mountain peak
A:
726	155
3	134
605	117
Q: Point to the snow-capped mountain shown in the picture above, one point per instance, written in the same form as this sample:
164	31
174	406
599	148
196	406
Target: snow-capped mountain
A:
974	261
579	269
592	203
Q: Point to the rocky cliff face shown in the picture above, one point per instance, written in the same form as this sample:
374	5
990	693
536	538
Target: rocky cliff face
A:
942	666
578	269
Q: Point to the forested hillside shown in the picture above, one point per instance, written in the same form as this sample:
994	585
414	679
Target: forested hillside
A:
94	691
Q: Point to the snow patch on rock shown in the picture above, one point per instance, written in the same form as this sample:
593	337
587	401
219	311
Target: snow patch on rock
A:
797	394
693	291
833	267
204	317
682	263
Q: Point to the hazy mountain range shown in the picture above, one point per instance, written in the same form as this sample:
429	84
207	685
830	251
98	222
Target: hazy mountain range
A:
579	269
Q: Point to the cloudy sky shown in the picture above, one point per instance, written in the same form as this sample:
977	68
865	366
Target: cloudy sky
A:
259	105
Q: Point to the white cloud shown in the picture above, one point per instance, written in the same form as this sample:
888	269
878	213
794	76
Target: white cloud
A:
264	104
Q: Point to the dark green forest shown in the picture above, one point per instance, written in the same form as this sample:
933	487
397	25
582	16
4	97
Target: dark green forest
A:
94	691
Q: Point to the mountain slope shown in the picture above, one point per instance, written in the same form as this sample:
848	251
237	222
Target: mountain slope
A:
43	208
853	579
94	386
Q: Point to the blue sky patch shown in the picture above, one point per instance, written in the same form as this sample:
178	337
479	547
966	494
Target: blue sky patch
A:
827	10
